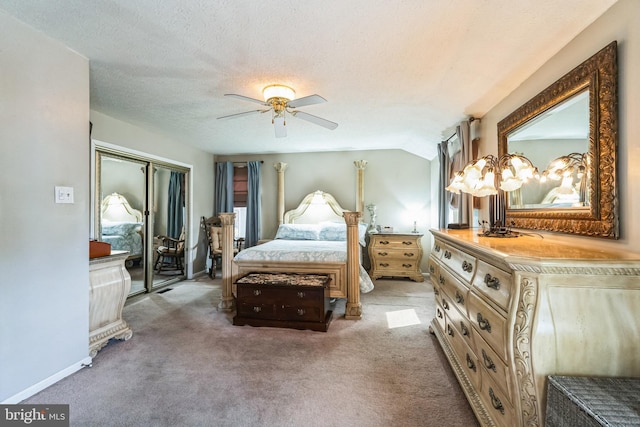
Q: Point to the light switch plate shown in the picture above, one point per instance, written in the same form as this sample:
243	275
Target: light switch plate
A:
64	194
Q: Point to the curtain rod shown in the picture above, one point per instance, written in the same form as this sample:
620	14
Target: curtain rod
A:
471	120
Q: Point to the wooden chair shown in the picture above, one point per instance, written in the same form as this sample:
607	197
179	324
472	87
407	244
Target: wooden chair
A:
170	254
213	229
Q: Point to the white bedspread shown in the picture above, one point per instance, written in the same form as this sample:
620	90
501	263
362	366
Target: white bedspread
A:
303	251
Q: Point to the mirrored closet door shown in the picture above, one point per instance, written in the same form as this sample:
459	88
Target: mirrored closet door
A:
141	208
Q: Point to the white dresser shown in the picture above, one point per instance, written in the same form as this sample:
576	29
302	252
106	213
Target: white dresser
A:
109	286
511	311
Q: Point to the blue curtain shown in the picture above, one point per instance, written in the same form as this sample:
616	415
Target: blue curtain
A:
175	207
253	204
224	188
444	199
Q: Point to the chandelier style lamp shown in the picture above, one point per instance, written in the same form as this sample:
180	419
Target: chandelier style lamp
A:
492	176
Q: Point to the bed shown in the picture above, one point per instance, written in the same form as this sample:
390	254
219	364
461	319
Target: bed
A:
121	226
320	237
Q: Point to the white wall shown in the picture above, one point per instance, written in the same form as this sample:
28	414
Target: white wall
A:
618	23
397	182
44	117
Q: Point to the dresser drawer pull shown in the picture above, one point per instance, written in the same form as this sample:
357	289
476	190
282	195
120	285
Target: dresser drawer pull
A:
445	305
483	323
449	330
384	264
488	363
407	265
257	309
301	311
439	313
464	329
459	298
470	363
436	291
409	254
383	253
437	248
492	282
301	294
257	292
431	269
407	243
384	242
441	279
495	401
447	254
467	266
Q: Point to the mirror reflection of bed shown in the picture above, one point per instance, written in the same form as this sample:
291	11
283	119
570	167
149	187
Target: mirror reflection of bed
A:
311	239
122	228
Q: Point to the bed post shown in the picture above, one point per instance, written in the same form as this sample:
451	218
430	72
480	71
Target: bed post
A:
280	168
354	308
226	299
360	165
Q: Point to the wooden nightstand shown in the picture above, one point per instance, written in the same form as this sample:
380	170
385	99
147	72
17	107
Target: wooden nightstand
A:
396	255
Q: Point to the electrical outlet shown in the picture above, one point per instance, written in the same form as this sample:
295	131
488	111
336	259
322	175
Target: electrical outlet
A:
64	194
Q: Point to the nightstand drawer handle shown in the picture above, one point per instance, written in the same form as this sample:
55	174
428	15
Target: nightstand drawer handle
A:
257	292
459	298
409	254
449	330
301	311
384	242
492	282
465	331
384	264
407	243
407	265
447	254
483	323
257	309
488	363
382	253
470	363
496	402
467	266
301	294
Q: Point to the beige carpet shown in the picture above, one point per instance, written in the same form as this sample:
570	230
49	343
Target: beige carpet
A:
187	365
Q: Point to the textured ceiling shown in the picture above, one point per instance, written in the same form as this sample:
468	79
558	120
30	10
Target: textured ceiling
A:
396	74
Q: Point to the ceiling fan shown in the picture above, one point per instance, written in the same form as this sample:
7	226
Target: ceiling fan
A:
281	101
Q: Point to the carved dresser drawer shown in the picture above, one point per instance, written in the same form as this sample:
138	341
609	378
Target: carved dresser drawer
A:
395	255
299	301
510	312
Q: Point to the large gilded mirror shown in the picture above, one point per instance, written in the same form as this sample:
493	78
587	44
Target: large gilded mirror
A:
569	132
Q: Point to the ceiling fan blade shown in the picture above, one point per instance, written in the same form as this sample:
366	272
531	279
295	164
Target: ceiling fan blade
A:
280	128
246	98
315	119
306	100
246	113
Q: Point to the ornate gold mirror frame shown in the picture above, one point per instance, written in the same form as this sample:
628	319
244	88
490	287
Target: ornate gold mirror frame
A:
598	74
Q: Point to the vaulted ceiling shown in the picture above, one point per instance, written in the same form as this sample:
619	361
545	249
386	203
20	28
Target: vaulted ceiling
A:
396	74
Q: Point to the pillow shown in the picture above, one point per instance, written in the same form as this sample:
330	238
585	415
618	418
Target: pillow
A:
338	231
297	232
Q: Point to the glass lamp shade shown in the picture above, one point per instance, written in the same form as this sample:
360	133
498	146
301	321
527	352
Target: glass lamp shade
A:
278	91
487	186
567	185
509	182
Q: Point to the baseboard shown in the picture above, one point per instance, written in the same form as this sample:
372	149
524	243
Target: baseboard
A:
36	388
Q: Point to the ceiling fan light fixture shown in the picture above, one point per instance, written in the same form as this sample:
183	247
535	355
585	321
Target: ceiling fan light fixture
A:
278	91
